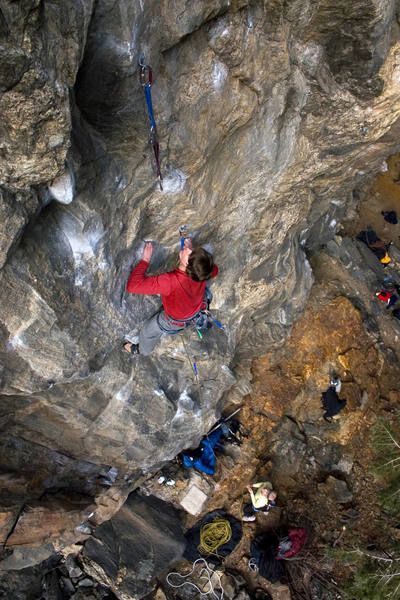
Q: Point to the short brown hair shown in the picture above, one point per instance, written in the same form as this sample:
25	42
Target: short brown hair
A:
200	265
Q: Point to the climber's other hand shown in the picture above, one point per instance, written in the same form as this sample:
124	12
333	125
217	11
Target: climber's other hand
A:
147	251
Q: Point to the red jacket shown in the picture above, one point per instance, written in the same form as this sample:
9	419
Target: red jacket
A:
181	296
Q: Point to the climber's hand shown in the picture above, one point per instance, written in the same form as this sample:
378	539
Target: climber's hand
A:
147	252
188	243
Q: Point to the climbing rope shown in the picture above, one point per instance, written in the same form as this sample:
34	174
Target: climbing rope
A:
193	367
192	364
253	565
146	85
205	579
213	535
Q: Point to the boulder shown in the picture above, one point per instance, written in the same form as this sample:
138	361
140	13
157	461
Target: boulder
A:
140	541
336	489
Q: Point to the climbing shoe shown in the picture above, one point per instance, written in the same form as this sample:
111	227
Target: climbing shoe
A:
131	348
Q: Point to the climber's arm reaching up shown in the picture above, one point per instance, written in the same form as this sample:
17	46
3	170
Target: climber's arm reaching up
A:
140	284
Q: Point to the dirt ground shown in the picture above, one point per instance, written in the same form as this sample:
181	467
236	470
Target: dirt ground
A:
285	405
383	195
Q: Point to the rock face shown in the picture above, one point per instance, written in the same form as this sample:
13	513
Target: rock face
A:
42	50
269	116
142	539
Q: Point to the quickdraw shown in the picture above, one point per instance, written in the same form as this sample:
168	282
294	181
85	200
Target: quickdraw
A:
183	234
146	82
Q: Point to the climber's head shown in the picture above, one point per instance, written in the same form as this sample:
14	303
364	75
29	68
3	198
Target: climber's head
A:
200	264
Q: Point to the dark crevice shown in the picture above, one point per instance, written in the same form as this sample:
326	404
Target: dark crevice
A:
9	534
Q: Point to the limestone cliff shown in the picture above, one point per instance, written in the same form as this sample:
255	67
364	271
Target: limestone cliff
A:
269	116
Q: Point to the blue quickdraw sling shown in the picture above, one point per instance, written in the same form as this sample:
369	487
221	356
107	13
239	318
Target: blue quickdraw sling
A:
146	85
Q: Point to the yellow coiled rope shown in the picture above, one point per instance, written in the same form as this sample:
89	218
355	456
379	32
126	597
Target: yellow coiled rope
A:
213	535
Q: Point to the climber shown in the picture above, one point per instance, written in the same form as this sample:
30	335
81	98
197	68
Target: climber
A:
376	245
182	294
261	501
387	292
387	296
330	399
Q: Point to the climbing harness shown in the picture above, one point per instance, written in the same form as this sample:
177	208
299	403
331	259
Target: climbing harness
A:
205	579
146	82
200	321
214	535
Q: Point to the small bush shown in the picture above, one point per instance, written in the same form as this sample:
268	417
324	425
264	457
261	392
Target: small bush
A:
386	446
376	574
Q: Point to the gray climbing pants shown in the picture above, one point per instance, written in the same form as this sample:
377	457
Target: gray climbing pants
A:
153	330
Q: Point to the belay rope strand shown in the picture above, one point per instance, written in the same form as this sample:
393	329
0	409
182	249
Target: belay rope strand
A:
194	368
205	579
214	535
146	85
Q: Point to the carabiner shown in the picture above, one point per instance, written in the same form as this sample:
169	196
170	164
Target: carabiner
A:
143	69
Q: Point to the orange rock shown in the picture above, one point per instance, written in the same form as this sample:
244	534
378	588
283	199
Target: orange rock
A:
45	522
7	519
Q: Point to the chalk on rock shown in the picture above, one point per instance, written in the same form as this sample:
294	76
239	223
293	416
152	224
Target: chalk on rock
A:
174	181
113	474
85	528
194	500
62	189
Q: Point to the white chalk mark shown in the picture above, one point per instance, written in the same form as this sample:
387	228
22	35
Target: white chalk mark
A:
220	73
